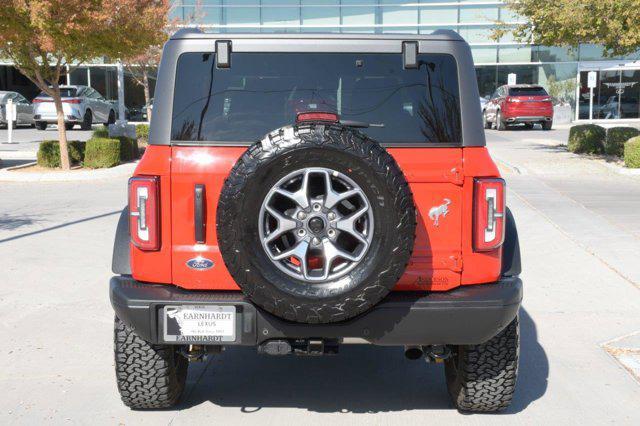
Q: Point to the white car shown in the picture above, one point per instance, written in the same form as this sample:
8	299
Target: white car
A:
81	105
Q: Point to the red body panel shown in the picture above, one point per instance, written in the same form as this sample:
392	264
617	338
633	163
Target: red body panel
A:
443	256
155	266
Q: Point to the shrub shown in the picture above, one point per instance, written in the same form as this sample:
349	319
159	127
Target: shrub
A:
142	132
587	139
102	152
49	153
632	153
616	137
101	133
128	149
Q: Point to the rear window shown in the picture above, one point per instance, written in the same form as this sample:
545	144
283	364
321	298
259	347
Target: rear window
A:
527	91
264	91
65	93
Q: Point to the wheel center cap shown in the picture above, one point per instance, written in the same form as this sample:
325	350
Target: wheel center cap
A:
316	225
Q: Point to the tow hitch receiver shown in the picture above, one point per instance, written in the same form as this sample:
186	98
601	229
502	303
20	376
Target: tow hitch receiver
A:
312	347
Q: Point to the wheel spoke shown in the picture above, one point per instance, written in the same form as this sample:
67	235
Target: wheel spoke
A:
285	224
332	197
299	251
330	252
347	224
301	196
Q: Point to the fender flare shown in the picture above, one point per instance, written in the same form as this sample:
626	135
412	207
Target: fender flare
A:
120	262
511	264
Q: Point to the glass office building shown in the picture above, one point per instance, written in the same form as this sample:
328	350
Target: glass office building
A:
562	71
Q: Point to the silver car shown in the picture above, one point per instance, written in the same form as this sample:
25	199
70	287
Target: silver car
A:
81	105
24	109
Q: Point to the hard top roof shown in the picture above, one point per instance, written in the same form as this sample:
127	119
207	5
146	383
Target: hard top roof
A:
195	33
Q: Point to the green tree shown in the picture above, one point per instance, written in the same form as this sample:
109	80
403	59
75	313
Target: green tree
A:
43	37
613	24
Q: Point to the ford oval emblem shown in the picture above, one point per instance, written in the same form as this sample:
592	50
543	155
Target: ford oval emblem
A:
200	263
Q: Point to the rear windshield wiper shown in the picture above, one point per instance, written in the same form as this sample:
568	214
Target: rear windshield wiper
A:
360	124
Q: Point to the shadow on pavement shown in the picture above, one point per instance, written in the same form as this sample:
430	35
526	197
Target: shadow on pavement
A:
361	379
9	222
5	223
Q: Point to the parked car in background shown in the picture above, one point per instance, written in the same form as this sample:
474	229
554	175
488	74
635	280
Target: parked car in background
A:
519	103
24	109
81	105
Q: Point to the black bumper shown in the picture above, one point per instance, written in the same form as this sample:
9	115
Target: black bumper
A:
465	315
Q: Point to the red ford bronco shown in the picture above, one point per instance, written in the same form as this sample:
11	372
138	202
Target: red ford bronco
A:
302	192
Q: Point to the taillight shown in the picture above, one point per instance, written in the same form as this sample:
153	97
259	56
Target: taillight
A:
545	100
71	101
317	116
510	99
489	212
144	212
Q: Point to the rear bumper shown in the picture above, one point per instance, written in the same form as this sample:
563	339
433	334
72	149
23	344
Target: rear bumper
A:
528	119
466	315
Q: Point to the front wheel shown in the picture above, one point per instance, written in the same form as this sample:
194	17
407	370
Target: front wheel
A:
148	376
87	121
482	378
500	124
111	119
485	123
41	125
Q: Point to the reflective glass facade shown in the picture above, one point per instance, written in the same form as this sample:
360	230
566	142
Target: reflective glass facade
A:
560	70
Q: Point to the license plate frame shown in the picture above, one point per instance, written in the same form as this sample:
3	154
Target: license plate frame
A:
203	324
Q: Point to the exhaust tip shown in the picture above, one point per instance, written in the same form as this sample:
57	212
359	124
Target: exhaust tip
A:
413	352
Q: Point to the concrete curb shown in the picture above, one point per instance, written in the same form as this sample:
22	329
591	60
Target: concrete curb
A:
70	176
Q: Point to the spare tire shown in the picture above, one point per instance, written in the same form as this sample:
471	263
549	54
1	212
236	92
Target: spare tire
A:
316	223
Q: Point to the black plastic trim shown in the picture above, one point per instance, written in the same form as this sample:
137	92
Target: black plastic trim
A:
511	263
120	262
199	213
469	314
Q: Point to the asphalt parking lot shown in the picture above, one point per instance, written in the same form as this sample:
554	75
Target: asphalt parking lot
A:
579	225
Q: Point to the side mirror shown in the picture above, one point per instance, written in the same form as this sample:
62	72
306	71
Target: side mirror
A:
487	98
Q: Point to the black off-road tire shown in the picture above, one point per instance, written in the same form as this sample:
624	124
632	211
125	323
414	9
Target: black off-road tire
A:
482	378
345	150
547	125
148	376
41	125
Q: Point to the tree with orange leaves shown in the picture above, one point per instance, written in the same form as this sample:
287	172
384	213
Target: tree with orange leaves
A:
43	37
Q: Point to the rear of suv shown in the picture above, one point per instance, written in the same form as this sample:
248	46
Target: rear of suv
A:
525	104
304	192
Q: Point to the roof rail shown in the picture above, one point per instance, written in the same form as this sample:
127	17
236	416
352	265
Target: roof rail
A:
186	30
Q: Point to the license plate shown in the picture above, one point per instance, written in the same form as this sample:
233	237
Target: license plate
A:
199	323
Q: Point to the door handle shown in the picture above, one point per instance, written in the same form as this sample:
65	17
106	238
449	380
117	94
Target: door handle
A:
199	213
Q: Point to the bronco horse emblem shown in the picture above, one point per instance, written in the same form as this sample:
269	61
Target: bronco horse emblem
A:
437	211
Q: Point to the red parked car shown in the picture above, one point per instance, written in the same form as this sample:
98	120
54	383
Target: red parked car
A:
519	103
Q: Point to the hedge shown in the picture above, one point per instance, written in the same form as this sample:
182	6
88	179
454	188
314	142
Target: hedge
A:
632	153
101	133
587	139
102	152
142	132
49	153
128	149
616	137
